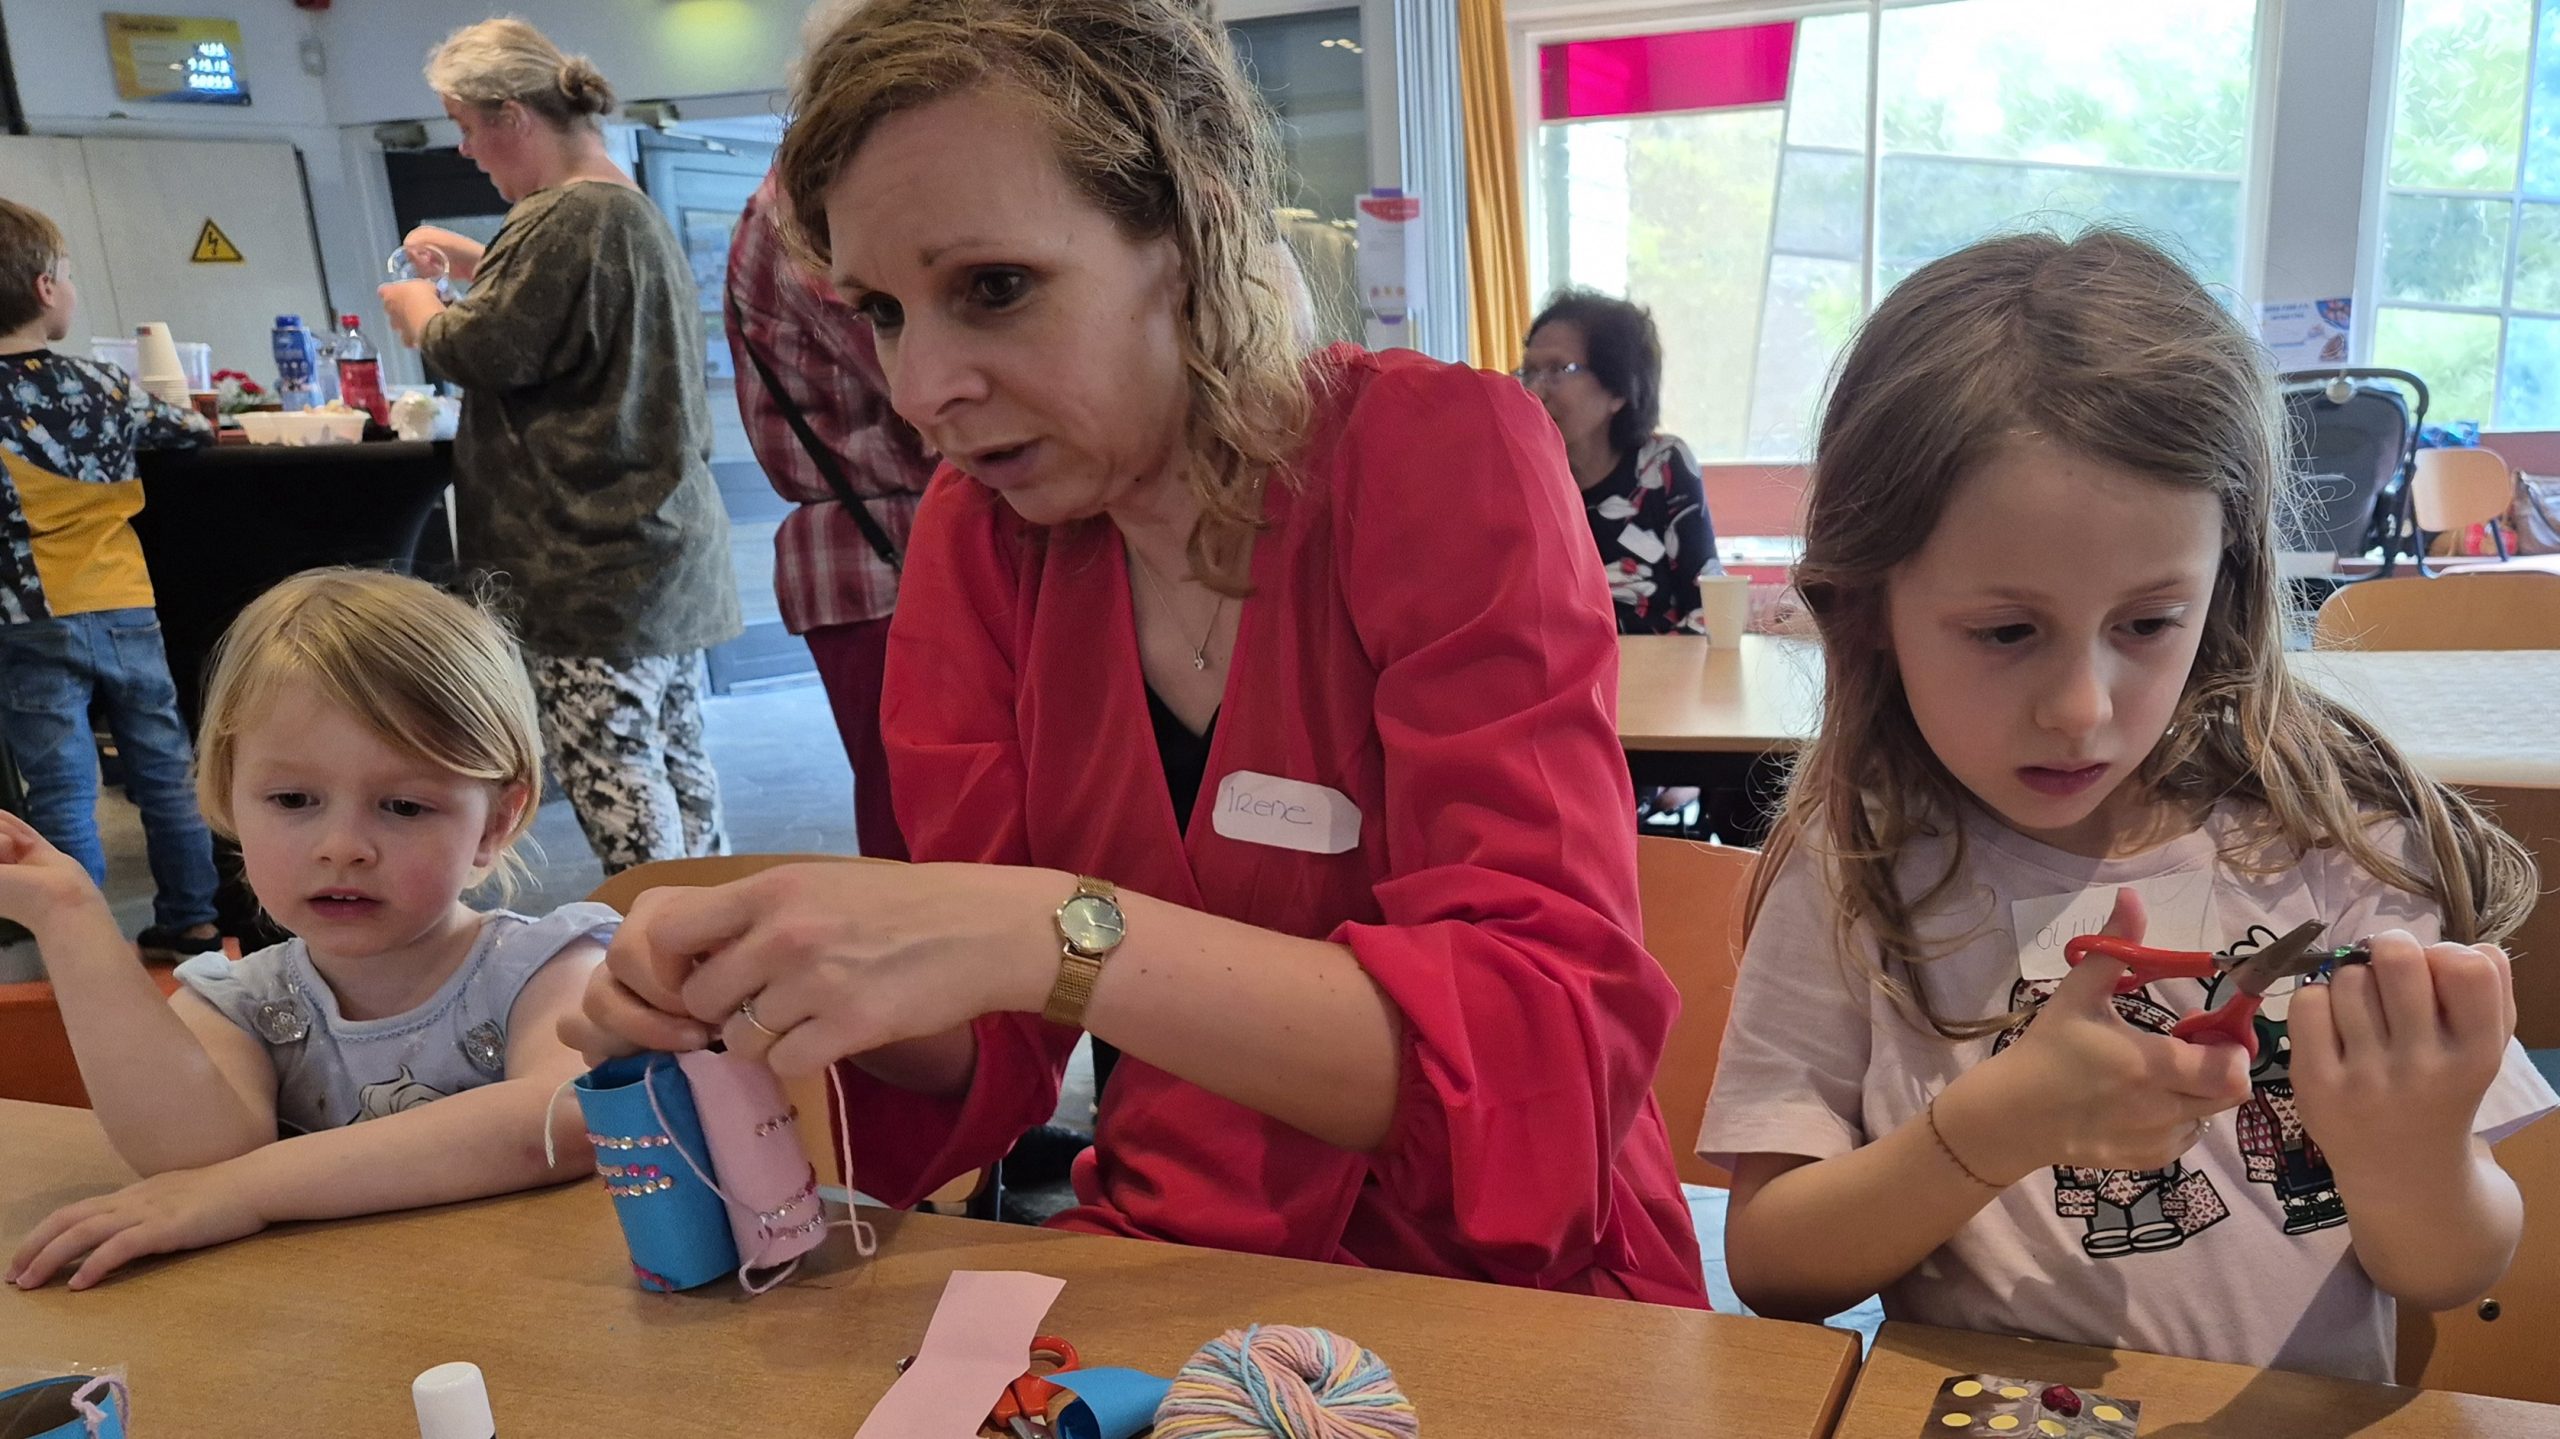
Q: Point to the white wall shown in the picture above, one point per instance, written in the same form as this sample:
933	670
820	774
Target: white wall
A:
648	49
64	76
67	85
2332	71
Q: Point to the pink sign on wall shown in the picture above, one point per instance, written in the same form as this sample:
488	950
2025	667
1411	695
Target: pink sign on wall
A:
1723	69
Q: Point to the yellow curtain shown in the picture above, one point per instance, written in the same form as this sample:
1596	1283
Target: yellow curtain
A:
1497	220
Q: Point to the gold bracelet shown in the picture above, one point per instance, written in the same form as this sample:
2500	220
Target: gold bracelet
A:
1949	1150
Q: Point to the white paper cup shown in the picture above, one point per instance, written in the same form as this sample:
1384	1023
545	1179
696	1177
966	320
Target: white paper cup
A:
1724	604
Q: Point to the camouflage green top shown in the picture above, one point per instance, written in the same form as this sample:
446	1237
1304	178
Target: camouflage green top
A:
582	473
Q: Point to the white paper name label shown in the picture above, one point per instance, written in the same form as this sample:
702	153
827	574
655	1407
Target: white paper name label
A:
1285	813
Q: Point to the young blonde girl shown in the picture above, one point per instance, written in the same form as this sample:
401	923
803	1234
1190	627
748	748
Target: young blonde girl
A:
370	742
2040	547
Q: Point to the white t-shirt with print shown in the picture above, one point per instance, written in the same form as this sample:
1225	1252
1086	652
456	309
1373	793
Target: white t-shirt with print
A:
2238	1253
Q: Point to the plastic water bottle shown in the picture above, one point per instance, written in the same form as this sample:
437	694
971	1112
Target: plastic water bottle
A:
297	361
360	372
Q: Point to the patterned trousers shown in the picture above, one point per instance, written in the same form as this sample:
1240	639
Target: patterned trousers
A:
625	739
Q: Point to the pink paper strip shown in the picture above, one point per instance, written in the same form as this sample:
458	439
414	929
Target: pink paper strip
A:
978	1342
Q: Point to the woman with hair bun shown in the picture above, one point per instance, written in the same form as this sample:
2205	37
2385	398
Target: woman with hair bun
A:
582	465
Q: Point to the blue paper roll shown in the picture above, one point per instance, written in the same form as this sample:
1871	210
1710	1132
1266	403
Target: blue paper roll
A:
676	1227
44	1410
1110	1403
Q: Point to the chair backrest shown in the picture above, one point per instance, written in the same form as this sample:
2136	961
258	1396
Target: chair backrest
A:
2348	453
36	1063
2508	1355
1693	897
620	890
2456	488
808	1096
2464	610
35	1054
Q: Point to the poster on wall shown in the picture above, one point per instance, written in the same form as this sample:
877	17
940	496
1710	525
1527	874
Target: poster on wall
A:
185	59
2307	334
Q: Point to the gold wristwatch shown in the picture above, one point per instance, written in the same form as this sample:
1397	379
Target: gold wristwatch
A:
1090	926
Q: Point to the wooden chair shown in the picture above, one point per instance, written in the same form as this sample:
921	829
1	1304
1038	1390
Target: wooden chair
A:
36	1064
2502	1345
1692	895
2451	490
2472	610
973	1191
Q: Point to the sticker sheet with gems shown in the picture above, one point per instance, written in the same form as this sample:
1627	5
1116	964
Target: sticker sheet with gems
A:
1996	1408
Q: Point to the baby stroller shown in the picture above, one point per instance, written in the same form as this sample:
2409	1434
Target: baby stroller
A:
2354	436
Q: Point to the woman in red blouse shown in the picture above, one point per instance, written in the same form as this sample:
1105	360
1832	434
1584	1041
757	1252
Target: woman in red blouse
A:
1381	991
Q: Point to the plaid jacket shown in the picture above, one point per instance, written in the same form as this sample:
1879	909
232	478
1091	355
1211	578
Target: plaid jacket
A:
825	571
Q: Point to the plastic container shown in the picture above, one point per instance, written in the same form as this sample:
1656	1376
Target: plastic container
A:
310	427
195	358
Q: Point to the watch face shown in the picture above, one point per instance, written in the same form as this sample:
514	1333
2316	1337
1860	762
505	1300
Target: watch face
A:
1090	923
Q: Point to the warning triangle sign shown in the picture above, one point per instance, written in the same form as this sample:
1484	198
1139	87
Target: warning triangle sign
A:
215	248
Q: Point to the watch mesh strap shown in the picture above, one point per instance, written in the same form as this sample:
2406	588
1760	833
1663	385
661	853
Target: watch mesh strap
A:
1076	971
1074	989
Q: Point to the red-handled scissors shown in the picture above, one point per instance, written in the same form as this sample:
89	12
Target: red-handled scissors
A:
2295	953
1023	1411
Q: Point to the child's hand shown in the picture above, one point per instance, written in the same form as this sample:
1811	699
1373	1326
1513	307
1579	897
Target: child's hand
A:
2082	1088
178	1209
2390	1059
38	883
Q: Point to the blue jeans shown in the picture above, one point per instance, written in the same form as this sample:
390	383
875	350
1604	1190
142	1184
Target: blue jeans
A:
49	671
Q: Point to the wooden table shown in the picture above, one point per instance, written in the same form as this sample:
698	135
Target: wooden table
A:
1679	694
2468	718
319	1328
2181	1398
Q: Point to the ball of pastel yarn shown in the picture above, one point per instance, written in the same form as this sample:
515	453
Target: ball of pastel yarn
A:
1273	1380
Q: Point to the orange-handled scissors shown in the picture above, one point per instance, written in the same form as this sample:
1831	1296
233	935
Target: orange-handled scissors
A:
2295	953
1023	1410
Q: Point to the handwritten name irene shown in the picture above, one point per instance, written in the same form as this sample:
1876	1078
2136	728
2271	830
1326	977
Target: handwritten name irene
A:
1244	801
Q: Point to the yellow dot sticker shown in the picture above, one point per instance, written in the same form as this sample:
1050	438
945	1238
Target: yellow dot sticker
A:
2013	1392
1966	1390
2052	1428
2004	1422
2108	1413
1958	1421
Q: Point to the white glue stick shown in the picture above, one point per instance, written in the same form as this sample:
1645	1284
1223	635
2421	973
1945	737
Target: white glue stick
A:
453	1403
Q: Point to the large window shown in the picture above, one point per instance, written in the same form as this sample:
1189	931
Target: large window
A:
2469	271
1720	176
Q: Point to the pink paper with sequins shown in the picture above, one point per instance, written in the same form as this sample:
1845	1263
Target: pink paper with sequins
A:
764	1174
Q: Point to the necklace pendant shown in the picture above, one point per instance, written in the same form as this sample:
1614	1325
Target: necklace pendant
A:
1199	661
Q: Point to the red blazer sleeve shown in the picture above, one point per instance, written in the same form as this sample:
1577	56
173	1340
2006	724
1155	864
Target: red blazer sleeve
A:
1510	936
947	717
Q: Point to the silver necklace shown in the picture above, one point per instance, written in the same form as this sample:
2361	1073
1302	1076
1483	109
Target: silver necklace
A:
1200	651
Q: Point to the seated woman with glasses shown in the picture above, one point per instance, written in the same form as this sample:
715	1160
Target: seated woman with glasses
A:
1596	364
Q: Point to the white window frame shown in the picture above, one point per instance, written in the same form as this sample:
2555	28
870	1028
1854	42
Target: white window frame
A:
2371	297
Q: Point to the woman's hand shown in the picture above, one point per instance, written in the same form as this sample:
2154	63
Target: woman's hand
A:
436	251
2084	1089
830	960
40	885
181	1209
2391	1059
410	304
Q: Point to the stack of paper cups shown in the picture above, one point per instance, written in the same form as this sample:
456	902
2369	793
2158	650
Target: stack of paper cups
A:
161	374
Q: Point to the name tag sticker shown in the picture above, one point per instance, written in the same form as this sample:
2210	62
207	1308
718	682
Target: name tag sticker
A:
1286	814
2173	905
1643	544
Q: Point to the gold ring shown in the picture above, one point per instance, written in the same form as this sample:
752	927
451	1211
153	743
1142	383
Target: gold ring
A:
747	1012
